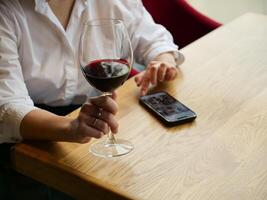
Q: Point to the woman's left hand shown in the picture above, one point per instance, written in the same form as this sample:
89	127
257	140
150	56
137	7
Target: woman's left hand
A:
158	70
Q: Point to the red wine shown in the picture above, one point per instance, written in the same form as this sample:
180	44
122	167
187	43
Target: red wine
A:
106	75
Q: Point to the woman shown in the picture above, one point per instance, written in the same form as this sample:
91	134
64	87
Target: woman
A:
39	67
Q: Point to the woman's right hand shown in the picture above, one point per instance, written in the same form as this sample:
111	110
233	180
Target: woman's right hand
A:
96	118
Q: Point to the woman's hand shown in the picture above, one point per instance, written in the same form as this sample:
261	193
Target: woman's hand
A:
161	69
96	118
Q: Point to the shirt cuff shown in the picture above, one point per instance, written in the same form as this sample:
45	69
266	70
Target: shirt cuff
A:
179	57
11	116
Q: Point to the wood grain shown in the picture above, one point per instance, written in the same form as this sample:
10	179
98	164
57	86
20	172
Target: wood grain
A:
222	155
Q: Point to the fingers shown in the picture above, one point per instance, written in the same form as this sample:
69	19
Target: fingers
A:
138	79
108	119
114	95
88	131
149	76
89	127
106	103
167	72
162	72
97	117
156	71
171	74
153	74
98	124
145	83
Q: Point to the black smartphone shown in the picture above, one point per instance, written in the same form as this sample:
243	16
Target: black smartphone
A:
168	109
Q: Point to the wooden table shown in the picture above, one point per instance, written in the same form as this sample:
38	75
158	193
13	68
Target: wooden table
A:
227	10
222	155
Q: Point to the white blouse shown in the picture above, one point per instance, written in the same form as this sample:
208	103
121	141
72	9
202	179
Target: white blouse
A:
39	61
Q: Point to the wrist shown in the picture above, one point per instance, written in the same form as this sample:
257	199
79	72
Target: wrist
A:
68	129
168	57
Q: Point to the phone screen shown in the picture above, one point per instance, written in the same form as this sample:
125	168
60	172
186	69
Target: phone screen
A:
167	108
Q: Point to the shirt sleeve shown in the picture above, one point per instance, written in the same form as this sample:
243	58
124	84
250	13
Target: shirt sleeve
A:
15	102
148	38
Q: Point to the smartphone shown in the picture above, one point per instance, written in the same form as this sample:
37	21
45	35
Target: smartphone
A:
169	110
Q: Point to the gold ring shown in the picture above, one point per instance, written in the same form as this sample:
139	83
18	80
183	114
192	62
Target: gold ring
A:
99	113
94	122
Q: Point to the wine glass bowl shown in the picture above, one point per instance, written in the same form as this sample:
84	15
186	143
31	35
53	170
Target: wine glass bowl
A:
107	74
106	57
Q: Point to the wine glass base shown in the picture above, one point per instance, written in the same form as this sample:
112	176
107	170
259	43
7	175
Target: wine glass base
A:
108	150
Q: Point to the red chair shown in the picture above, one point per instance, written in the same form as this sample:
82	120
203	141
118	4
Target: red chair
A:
184	22
133	72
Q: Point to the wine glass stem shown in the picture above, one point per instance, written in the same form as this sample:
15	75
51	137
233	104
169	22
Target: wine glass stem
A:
110	139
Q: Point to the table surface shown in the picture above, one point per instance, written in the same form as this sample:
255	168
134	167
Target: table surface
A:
217	9
222	155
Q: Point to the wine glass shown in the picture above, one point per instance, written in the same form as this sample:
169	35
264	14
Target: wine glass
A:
106	58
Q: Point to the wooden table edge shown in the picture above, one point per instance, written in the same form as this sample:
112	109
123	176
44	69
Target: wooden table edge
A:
89	187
